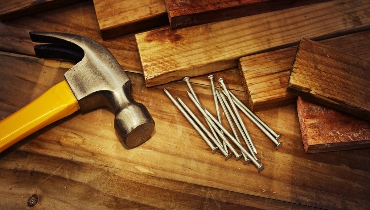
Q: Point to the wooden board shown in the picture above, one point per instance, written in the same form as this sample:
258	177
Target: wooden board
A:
190	13
168	55
326	130
117	18
266	74
19	8
332	78
76	19
78	162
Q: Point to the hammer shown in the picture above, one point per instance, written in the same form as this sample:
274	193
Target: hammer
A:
96	80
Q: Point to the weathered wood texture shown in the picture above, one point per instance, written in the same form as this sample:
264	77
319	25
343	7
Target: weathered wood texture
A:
266	74
79	163
19	8
325	130
77	19
190	13
117	18
168	55
332	78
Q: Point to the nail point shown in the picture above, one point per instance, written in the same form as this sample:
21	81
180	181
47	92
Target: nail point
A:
260	168
279	145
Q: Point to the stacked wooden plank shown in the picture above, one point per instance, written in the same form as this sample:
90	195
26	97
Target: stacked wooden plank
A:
190	13
325	129
266	75
117	18
168	55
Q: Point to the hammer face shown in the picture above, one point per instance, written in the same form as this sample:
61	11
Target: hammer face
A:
133	125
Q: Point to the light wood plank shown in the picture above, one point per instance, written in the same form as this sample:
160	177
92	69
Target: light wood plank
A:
332	78
266	74
190	13
19	8
326	130
168	55
118	18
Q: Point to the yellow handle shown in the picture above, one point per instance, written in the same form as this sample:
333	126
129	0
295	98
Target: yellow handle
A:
56	103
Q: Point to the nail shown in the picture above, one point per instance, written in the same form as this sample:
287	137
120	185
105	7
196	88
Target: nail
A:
226	108
237	119
215	123
205	138
187	80
259	166
210	77
257	121
226	112
204	129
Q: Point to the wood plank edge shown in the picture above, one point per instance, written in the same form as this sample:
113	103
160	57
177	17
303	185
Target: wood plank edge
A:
179	74
135	27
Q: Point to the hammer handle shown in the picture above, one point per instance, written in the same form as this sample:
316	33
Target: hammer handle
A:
56	103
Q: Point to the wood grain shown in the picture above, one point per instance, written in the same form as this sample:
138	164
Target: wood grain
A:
266	75
118	18
190	13
77	19
78	162
332	78
168	55
326	130
19	8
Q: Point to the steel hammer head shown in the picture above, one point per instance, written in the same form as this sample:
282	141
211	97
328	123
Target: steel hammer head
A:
98	80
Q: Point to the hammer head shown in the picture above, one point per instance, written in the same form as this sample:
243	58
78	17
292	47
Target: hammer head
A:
98	80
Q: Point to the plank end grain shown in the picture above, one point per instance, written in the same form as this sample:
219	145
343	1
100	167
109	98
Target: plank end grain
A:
190	13
119	18
332	78
265	78
325	130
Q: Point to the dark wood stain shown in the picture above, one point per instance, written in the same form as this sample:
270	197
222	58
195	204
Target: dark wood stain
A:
163	35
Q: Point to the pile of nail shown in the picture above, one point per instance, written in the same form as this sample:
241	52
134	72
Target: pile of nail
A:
216	135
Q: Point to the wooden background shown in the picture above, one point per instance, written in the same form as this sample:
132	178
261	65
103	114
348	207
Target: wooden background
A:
79	163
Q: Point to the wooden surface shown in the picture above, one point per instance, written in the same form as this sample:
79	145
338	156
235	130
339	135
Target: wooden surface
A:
331	77
266	75
77	18
118	18
169	55
18	8
190	13
79	163
324	129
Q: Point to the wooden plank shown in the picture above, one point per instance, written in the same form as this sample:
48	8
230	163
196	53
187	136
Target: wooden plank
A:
266	74
117	18
332	78
81	19
190	13
19	8
326	130
79	163
168	55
